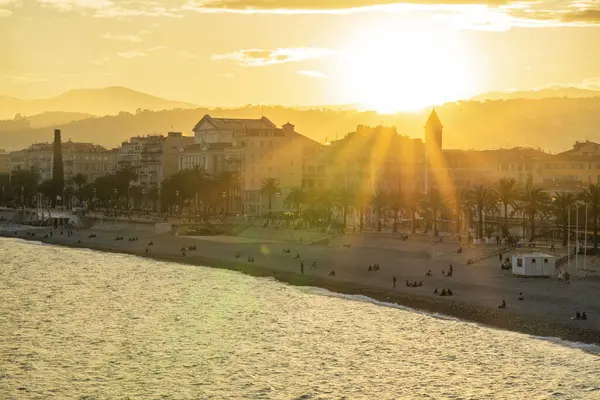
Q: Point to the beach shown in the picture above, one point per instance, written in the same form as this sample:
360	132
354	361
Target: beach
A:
478	289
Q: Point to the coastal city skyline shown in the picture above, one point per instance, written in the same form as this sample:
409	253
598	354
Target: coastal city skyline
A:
299	199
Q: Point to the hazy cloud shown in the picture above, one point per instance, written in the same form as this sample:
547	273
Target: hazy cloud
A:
112	8
312	6
484	14
132	54
312	74
187	54
260	57
4	12
23	78
125	38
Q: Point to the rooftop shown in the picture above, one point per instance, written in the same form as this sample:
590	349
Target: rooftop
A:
236	124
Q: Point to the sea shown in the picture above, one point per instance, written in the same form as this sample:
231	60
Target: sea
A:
83	324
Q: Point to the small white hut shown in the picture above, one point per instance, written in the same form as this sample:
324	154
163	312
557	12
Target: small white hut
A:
534	264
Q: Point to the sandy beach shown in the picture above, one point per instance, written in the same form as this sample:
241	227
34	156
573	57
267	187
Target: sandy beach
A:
478	289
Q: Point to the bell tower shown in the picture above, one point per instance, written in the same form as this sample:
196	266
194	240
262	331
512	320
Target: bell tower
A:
433	132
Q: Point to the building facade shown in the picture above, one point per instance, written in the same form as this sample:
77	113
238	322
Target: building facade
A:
87	159
252	149
153	157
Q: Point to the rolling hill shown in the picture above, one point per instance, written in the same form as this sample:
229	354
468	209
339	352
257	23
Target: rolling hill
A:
99	102
552	124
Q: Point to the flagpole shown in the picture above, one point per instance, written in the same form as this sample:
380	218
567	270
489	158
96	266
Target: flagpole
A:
577	239
569	239
585	240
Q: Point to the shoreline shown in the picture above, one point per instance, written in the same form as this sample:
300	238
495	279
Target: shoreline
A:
498	319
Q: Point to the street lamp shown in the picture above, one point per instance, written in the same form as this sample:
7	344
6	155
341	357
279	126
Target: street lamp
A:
224	196
158	202
177	194
115	191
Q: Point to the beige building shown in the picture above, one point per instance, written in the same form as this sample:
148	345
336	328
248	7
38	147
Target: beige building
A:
154	157
253	148
4	162
87	159
375	159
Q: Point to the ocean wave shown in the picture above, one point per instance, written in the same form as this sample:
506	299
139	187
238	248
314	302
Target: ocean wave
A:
367	299
588	348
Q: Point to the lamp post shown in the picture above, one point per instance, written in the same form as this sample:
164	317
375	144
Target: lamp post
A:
115	192
224	196
158	201
94	200
177	195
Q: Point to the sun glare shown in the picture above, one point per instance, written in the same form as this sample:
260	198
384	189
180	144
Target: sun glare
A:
405	69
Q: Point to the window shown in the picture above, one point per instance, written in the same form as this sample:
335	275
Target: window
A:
533	260
519	262
545	261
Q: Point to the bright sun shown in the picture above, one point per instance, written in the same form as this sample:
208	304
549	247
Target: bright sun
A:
404	69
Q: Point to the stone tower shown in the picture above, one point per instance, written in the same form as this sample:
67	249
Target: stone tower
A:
58	175
433	132
433	150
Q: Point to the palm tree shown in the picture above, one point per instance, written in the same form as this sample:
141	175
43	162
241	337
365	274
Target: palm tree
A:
481	198
344	198
591	197
507	194
396	204
295	199
433	203
79	180
533	202
461	204
379	202
270	186
561	206
412	204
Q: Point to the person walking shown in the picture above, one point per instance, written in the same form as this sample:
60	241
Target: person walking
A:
302	267
394	281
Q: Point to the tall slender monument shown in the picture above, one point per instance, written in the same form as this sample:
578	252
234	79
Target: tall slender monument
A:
58	175
433	149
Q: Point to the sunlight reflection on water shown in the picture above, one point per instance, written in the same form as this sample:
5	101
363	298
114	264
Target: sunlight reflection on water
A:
109	326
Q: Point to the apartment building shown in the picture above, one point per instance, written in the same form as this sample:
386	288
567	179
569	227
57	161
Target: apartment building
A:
87	159
254	149
153	157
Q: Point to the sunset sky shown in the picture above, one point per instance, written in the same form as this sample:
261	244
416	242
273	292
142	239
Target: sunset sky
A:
383	54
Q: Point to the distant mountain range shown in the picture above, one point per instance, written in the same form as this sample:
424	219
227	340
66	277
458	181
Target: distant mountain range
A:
552	124
548	92
100	102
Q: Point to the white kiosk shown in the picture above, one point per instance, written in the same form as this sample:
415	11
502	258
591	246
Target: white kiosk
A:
534	264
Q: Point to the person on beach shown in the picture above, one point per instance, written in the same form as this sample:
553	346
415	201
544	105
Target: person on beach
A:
449	292
577	315
503	304
314	265
435	291
332	273
521	297
297	256
429	273
302	267
394	281
500	257
443	293
370	268
583	315
146	251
